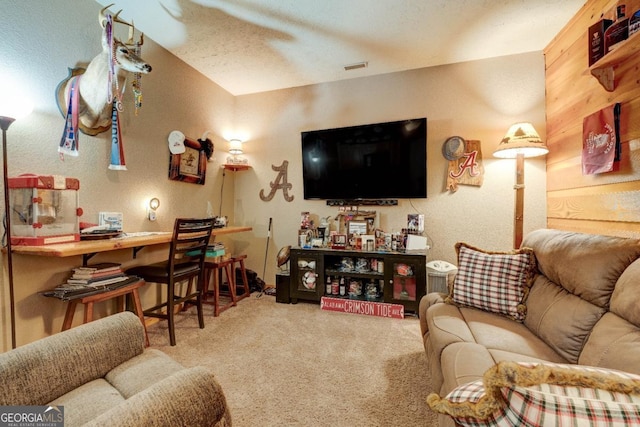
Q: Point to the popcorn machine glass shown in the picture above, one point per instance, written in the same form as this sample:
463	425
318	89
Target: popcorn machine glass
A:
44	209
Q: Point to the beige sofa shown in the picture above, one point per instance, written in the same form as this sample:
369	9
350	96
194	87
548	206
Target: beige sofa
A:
102	375
583	308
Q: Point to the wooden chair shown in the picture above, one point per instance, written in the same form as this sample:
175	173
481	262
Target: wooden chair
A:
187	253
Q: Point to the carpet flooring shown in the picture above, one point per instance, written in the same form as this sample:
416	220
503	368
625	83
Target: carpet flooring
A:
296	365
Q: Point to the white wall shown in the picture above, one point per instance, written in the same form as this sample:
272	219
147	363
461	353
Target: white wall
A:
476	100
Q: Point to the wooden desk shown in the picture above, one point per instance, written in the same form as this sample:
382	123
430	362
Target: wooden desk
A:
88	248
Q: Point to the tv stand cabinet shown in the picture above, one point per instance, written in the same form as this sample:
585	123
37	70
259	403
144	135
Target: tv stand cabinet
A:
390	277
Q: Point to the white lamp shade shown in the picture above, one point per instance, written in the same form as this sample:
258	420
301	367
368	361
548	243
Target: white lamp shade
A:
14	104
521	138
235	146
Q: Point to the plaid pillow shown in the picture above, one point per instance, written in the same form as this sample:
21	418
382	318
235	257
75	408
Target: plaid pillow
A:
529	394
493	281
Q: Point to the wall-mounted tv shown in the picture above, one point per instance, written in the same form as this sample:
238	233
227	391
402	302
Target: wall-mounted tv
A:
375	161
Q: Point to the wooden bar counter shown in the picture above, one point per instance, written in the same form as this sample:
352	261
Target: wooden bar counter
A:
88	248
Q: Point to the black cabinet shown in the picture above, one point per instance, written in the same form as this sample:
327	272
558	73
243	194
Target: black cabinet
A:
306	275
391	277
406	281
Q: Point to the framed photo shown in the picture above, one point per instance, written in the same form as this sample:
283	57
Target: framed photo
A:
338	241
190	166
357	228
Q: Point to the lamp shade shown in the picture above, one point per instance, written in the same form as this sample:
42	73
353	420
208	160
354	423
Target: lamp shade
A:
13	104
235	146
521	138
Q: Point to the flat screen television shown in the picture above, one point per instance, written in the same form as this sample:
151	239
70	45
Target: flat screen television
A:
375	161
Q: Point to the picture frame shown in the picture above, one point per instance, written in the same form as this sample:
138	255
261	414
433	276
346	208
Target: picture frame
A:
359	228
190	166
338	241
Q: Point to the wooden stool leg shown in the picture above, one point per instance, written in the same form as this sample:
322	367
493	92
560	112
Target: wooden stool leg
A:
245	280
68	317
216	292
135	296
208	276
88	311
232	284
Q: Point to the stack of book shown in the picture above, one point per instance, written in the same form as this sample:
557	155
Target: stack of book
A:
215	249
92	279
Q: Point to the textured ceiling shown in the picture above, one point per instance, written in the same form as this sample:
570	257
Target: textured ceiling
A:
249	46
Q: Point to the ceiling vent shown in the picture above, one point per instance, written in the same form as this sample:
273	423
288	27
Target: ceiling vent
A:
363	64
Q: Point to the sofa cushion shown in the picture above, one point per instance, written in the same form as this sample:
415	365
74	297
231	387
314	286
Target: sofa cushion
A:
88	401
138	373
579	274
462	363
499	333
561	319
586	265
544	394
624	300
497	282
613	343
446	326
100	346
464	342
189	397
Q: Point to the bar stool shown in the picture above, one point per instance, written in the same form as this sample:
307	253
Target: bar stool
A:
187	252
213	274
246	290
88	301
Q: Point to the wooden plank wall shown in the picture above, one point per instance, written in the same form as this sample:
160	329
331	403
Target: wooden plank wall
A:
606	203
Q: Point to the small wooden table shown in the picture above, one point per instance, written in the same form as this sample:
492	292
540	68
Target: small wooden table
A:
89	300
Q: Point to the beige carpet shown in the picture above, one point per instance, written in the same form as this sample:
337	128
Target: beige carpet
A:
296	365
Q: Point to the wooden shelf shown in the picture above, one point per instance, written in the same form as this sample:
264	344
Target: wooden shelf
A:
604	69
236	167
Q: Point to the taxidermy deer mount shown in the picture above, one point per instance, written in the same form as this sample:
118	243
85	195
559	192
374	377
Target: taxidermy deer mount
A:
104	78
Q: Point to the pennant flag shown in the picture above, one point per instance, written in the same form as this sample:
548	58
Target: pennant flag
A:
69	141
117	151
601	140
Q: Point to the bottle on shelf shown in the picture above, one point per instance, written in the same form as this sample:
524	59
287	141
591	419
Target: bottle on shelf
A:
343	287
327	289
618	31
335	287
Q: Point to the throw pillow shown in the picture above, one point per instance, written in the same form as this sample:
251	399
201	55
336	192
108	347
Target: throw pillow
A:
498	282
529	394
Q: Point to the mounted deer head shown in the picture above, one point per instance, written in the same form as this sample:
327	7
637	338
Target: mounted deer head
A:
104	77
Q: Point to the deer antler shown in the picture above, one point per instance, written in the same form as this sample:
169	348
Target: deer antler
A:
102	19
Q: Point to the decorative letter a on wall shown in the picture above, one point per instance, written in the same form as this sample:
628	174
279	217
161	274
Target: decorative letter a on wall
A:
279	183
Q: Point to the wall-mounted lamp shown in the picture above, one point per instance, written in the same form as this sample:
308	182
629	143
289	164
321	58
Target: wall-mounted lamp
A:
235	147
521	141
154	204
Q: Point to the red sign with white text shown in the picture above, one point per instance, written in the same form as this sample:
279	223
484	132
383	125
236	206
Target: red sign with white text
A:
368	308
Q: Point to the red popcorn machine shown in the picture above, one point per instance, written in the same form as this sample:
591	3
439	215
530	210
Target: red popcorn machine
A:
44	209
